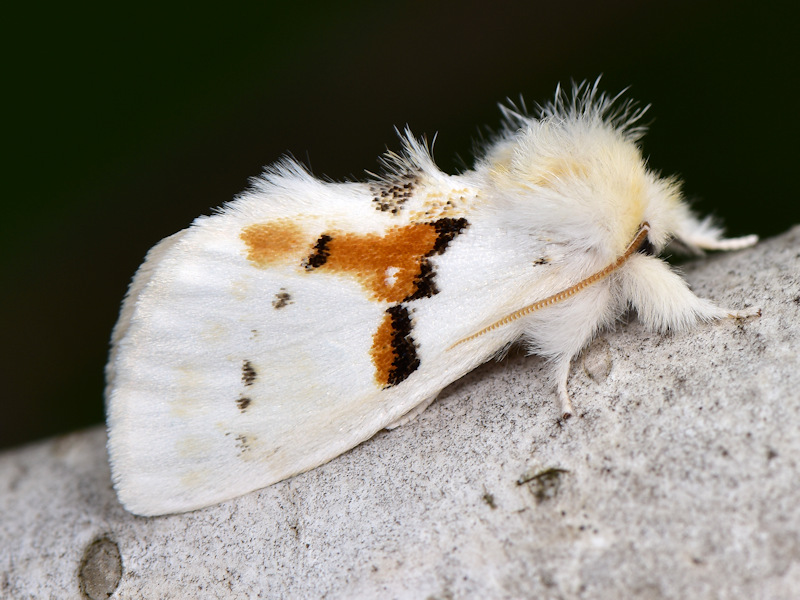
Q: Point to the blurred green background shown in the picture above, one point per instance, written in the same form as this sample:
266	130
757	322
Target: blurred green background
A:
122	124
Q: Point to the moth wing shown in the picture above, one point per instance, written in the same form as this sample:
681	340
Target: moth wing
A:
236	364
241	357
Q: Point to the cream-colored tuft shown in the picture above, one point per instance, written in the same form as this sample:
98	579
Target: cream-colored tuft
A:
575	164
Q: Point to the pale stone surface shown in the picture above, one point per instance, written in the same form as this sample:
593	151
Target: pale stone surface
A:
676	479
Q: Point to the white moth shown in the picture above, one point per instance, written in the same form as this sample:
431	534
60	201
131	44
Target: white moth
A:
305	316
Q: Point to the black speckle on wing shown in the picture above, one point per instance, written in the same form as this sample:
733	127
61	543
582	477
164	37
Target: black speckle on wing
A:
249	373
320	254
390	195
282	299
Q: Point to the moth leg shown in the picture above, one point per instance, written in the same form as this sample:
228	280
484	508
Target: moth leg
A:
561	374
412	414
745	313
698	235
726	243
575	328
663	300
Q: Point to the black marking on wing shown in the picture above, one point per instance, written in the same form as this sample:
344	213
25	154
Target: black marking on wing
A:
447	229
404	349
320	254
425	282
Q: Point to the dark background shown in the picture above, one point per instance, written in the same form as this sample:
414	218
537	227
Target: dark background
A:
121	125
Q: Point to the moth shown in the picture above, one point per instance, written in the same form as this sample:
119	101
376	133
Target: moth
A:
305	315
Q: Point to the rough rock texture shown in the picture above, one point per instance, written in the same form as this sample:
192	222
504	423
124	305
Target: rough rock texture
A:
676	479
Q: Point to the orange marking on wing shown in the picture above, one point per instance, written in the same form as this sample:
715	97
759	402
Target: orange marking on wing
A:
387	265
393	351
274	242
382	352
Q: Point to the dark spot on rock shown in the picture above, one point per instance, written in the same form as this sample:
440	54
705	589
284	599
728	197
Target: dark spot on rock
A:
597	361
100	570
543	484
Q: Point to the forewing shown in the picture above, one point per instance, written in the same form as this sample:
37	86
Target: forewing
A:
264	341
